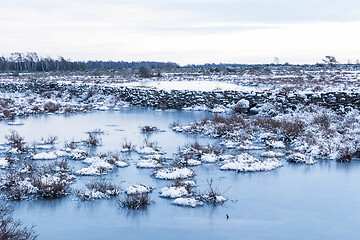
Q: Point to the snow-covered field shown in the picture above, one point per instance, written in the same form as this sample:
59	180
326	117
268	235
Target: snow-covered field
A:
251	137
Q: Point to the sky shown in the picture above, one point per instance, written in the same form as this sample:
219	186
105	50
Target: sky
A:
183	31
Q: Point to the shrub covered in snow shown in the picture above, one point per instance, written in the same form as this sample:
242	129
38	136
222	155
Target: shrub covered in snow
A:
102	164
16	142
97	190
300	158
135	201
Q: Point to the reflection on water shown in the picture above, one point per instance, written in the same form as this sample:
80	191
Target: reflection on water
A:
292	202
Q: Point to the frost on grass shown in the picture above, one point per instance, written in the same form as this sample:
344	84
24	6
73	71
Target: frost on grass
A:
247	163
97	190
173	173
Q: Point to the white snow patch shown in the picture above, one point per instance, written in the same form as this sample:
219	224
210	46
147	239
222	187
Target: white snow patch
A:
174	173
271	154
209	158
3	162
193	162
247	163
138	188
150	163
45	156
173	192
191	202
301	158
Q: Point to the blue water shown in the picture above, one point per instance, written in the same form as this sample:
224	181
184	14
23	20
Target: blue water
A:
292	202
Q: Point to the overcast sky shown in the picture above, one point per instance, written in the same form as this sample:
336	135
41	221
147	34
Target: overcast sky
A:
183	31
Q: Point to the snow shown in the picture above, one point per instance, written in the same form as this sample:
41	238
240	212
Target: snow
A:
133	189
191	202
194	85
209	158
301	158
148	164
148	151
275	144
173	192
271	154
3	162
173	173
247	163
97	166
45	156
193	162
78	154
243	103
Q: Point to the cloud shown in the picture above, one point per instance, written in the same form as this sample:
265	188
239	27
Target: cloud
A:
186	31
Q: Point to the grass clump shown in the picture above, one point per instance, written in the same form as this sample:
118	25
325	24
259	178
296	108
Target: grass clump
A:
16	141
148	129
93	140
98	190
135	201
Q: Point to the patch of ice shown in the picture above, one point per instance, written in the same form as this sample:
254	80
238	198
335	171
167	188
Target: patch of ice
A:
44	146
15	123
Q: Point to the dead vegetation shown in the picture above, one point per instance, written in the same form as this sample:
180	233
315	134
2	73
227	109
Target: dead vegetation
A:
11	229
135	201
16	141
93	140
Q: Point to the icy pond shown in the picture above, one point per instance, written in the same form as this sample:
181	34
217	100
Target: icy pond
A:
319	201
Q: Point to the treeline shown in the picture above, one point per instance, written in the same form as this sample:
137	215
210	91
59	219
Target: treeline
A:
32	62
